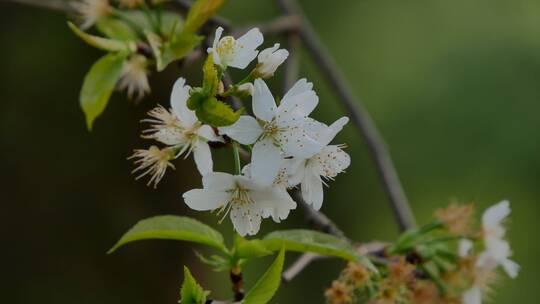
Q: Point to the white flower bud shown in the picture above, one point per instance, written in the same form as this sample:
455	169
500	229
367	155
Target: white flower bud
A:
246	87
269	60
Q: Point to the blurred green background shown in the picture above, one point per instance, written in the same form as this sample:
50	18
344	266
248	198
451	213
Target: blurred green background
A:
453	86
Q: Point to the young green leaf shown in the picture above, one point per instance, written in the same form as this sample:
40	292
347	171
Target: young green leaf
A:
191	292
166	52
98	85
200	12
210	77
265	288
172	227
217	113
106	44
310	241
171	24
116	29
177	48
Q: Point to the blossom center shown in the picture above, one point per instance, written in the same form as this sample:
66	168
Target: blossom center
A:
225	49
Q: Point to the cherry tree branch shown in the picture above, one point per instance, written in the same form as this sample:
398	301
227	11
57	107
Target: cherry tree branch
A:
295	25
358	114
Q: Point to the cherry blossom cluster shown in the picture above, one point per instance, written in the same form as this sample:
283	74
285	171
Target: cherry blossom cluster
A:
447	261
288	148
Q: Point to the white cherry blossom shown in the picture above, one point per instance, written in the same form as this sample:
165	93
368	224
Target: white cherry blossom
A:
236	53
154	162
281	183
90	11
277	132
180	129
472	296
325	165
269	60
134	77
240	196
497	249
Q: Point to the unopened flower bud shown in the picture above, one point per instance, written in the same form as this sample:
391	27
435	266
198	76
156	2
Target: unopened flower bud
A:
269	60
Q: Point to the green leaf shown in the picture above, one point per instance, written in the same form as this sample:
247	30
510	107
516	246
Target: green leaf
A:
249	249
210	76
217	113
166	52
105	44
265	288
178	48
172	227
98	85
116	29
171	23
136	18
200	12
310	241
191	292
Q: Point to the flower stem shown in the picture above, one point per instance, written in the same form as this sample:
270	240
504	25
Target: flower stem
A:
237	164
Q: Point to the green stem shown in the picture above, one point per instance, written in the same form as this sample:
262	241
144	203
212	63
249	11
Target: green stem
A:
148	14
237	164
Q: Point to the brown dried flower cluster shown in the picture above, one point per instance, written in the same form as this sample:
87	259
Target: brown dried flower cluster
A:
456	218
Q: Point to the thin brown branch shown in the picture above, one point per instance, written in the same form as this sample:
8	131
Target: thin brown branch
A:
359	116
55	5
298	266
316	218
292	64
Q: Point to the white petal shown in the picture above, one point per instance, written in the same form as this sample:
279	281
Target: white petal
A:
245	130
332	161
219	181
203	158
269	60
465	247
334	128
511	268
246	218
245	48
300	104
203	199
264	105
206	132
312	190
323	133
493	216
297	143
278	203
215	55
299	87
170	136
265	161
266	53
246	171
295	168
179	97
472	296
